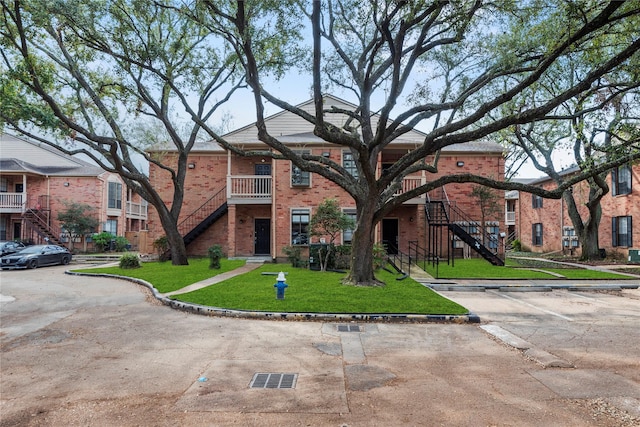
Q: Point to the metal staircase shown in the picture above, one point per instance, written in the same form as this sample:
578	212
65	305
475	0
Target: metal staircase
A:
38	221
442	213
202	218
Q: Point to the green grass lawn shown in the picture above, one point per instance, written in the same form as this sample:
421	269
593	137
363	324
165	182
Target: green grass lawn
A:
166	277
478	268
314	291
308	291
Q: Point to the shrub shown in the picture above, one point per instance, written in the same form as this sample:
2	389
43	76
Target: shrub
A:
121	244
294	255
517	245
128	261
379	256
215	254
102	240
161	245
343	257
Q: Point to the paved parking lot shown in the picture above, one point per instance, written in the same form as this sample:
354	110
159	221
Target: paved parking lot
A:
103	352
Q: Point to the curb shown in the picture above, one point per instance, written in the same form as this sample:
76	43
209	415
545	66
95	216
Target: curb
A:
265	315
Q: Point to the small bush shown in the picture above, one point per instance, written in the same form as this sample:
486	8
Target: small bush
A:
343	257
517	245
379	256
121	244
102	240
294	255
215	255
128	261
161	245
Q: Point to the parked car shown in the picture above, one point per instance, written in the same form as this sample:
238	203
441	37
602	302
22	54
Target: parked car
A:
36	256
10	247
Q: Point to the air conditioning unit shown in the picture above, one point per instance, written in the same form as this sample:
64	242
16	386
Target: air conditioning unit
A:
634	255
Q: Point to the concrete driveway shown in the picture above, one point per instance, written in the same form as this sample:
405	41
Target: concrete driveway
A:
102	352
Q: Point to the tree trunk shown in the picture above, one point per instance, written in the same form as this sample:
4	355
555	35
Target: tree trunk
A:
176	243
361	273
590	242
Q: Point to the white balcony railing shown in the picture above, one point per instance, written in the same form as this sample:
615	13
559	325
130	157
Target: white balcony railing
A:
249	187
137	210
12	202
510	218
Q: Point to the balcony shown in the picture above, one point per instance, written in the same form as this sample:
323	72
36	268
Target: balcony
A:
249	189
12	202
510	218
137	210
409	184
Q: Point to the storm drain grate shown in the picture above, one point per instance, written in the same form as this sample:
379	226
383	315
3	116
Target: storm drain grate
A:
349	328
273	380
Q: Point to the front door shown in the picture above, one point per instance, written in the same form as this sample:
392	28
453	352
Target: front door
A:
390	235
262	236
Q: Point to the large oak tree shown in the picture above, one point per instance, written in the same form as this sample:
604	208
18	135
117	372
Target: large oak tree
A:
459	70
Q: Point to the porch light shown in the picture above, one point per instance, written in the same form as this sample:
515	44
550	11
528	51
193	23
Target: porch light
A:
460	164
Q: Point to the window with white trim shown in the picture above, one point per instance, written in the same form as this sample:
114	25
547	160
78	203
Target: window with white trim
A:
349	163
347	235
300	226
115	195
300	178
111	226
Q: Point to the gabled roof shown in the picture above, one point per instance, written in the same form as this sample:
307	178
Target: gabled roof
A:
21	155
290	128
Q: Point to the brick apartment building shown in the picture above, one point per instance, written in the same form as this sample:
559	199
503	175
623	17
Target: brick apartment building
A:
261	205
544	225
36	181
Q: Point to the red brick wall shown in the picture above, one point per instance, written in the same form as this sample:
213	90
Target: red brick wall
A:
554	216
235	231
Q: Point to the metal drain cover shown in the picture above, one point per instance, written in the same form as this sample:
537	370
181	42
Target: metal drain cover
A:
349	328
273	380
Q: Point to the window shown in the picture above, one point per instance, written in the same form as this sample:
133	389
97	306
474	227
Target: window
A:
621	231
536	201
300	227
111	226
115	195
4	185
536	234
349	163
621	180
300	178
347	235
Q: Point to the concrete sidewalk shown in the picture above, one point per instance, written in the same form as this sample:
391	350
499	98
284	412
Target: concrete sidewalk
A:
247	267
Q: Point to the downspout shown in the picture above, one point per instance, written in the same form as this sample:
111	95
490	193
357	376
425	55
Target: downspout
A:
274	217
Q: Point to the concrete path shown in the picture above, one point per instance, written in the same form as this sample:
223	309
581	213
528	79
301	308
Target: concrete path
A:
249	266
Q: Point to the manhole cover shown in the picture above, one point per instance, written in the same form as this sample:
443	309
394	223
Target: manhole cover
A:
273	380
349	328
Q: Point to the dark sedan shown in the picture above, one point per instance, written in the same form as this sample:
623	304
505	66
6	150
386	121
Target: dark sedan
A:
36	256
10	247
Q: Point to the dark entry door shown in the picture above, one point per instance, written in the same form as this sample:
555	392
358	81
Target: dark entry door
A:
390	234
262	236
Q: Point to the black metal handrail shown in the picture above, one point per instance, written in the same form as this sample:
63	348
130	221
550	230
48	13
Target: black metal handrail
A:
207	208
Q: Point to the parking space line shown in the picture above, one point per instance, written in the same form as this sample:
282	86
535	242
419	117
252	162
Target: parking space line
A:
553	313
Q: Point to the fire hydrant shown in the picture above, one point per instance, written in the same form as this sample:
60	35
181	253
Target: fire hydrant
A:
280	285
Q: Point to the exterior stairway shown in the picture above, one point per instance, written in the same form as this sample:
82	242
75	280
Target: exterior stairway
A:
39	221
442	213
202	218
